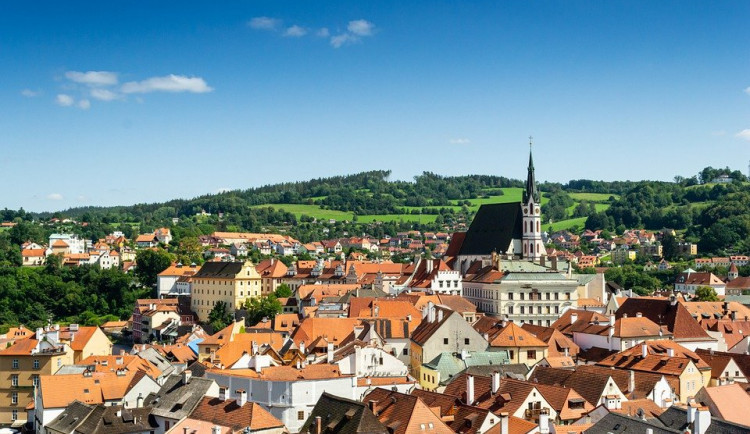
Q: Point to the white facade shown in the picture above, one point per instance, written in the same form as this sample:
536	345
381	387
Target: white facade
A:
372	362
289	401
75	244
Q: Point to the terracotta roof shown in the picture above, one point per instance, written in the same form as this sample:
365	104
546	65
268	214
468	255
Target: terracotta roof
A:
718	362
229	413
285	373
271	268
446	404
566	325
510	336
557	342
60	390
729	401
111	363
366	307
60	243
145	238
716	309
22	347
661	311
179	270
657	359
402	413
333	329
426	329
742	360
28	253
634	407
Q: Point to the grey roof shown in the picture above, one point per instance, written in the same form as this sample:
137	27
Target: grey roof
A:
362	292
71	369
176	399
197	369
493	229
533	275
157	359
73	415
224	270
449	364
343	416
676	418
614	423
117	420
584	278
519	265
511	369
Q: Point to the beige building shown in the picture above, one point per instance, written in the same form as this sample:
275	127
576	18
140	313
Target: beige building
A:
20	367
230	282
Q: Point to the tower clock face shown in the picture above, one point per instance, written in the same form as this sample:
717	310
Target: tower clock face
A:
525	210
536	210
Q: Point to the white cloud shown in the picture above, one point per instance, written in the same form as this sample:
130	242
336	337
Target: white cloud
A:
104	94
264	23
168	83
84	104
93	78
323	32
28	93
295	31
342	39
360	27
747	90
64	100
460	141
55	196
744	134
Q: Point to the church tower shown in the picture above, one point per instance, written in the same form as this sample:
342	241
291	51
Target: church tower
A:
533	247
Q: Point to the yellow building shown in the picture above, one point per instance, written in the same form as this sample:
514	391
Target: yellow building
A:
230	282
21	364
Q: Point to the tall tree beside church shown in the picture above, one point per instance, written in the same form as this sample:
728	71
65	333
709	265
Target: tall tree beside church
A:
149	263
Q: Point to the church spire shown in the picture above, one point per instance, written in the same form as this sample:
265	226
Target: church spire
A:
531	191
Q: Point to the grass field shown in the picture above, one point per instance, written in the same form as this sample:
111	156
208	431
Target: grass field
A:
310	210
592	197
565	224
416	218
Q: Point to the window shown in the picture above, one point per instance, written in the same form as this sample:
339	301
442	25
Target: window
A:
35	379
300	415
14	415
466	341
510	310
445	341
531	354
521	295
15	363
166	425
547	296
14	380
522	310
557	296
14	398
406	351
510	296
36	363
510	353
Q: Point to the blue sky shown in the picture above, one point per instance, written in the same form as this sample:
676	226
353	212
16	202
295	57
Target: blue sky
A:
142	102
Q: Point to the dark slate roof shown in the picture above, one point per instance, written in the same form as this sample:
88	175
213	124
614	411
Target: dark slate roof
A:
224	270
197	369
426	329
614	423
176	399
117	420
344	416
494	227
73	415
486	370
676	418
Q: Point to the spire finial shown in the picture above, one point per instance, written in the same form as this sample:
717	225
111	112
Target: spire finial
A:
531	142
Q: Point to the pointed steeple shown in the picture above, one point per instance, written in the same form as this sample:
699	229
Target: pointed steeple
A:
531	190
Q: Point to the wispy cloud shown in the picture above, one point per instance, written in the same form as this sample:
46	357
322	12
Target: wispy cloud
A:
168	83
747	90
323	32
93	78
459	141
264	23
84	104
28	93
360	27
744	134
104	94
295	31
355	31
64	100
55	196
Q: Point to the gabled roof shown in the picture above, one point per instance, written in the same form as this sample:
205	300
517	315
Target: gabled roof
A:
742	360
556	342
663	311
177	399
509	335
220	270
675	420
426	329
229	413
401	413
493	229
657	359
615	423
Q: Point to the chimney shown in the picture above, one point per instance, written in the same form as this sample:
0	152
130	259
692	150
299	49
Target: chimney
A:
372	404
318	423
638	315
573	317
702	420
428	265
122	352
470	390
329	352
139	401
495	382
554	263
223	395
216	429
375	311
644	350
504	423
734	315
186	375
241	397
612	320
544	421
257	364
670	352
302	347
439	315
631	382
430	311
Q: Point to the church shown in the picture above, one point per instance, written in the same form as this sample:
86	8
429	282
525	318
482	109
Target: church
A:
510	230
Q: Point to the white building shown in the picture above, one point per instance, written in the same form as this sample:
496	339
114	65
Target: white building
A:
76	245
289	393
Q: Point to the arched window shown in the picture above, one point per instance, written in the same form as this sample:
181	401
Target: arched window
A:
538	229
